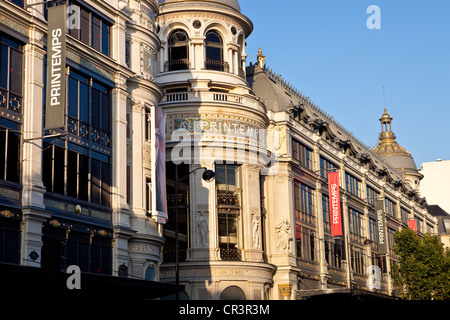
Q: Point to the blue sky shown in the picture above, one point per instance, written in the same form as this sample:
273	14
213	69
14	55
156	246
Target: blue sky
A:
325	50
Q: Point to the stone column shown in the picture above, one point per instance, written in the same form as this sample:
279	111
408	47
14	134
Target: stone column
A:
251	213
33	212
196	57
203	217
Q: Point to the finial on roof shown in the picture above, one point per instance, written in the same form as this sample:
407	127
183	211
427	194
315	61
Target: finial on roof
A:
261	58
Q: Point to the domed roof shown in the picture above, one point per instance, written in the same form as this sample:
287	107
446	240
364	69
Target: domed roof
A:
229	3
389	150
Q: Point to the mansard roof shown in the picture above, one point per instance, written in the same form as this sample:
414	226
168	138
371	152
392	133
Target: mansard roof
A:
279	95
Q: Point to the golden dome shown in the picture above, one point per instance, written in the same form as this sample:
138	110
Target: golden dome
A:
389	150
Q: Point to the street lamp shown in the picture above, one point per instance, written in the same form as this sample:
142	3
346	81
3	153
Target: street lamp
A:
208	176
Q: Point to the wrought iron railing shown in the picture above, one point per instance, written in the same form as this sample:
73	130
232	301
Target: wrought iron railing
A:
177	64
219	65
85	131
170	255
10	101
230	254
228	200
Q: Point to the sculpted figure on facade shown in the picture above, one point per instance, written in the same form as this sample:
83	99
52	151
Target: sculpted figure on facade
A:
255	230
283	236
203	229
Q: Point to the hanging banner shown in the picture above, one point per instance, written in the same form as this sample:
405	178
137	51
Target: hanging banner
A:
335	204
159	197
381	226
56	67
412	224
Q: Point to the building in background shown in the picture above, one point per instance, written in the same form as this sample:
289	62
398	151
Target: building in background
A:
443	218
434	185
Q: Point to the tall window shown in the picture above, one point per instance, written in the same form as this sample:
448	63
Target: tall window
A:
305	242
94	31
404	215
304	202
372	195
419	223
333	246
229	209
356	225
80	167
326	166
353	185
390	206
183	213
302	153
11	84
178	51
357	259
214	52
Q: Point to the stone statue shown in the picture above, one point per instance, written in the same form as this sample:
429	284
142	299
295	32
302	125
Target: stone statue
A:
203	230
283	236
255	229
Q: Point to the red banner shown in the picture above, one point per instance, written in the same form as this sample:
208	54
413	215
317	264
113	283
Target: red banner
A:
335	204
412	225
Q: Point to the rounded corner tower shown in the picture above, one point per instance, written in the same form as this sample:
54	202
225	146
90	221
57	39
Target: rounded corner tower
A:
213	121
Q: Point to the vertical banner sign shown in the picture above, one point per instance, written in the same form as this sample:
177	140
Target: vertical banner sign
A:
159	198
335	204
381	226
56	67
412	224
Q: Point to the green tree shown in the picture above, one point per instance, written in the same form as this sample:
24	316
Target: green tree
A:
423	269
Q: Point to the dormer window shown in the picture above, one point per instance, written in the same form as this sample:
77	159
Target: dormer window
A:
178	51
214	52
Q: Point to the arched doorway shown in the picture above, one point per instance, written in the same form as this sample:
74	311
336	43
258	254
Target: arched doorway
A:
232	293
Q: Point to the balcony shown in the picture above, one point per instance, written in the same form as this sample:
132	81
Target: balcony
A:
230	254
213	97
218	65
177	64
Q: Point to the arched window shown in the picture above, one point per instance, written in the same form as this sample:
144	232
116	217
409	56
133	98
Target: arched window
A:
214	52
178	51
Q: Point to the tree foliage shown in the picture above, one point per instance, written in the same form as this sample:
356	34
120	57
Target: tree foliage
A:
423	269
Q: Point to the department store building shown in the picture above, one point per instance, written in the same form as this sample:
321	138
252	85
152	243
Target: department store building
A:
259	230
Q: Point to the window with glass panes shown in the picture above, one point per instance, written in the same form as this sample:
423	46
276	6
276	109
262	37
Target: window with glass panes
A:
80	167
356	225
228	205
11	102
326	166
357	259
302	153
372	195
404	215
305	242
95	30
333	246
352	184
389	207
304	202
